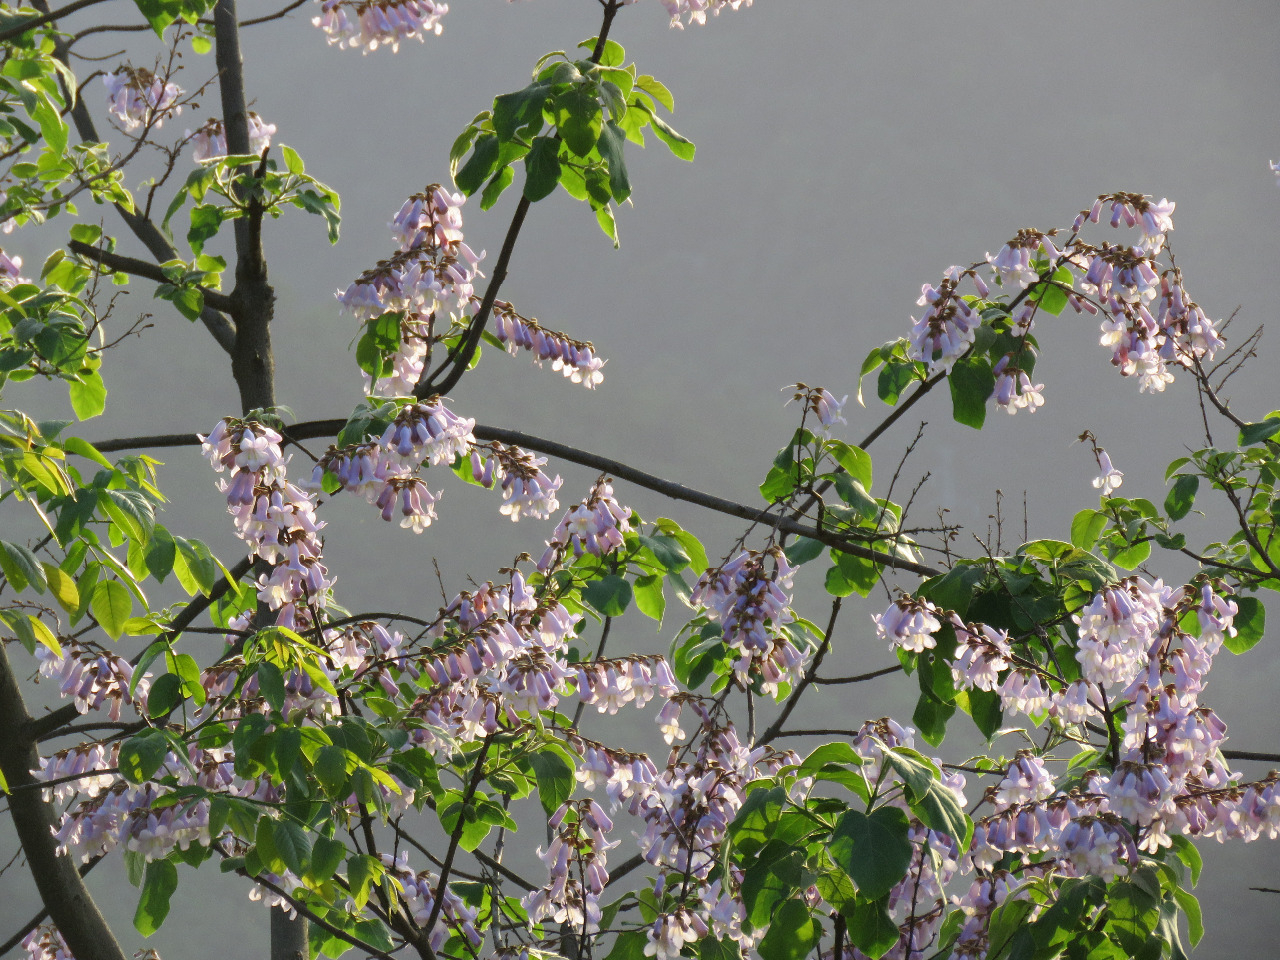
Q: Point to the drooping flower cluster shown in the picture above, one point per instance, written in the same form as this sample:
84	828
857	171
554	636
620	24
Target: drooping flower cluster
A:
749	597
695	11
947	327
433	272
370	24
612	684
576	868
273	516
210	141
690	803
576	359
909	624
46	943
526	490
418	891
136	96
93	677
595	526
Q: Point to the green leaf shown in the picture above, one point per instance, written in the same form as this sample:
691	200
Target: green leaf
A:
293	163
21	567
579	118
972	384
164	695
1250	623
88	394
326	856
872	849
330	769
679	146
610	595
494	189
649	597
792	933
1180	499
141	756
541	168
1253	433
870	928
519	112
112	605
480	167
63	587
554	774
803	549
292	845
158	886
1086	527
271	684
1186	851
855	461
610	146
657	90
754	824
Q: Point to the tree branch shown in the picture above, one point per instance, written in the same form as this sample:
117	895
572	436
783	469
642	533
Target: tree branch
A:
676	491
56	877
146	270
771	732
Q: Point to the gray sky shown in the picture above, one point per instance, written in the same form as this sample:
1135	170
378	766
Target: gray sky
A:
847	153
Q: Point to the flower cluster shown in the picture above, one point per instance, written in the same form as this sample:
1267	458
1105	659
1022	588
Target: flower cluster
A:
695	11
576	359
418	892
576	868
46	943
369	24
210	141
749	597
595	526
612	684
947	327
433	271
526	490
909	624
137	96
273	516
93	677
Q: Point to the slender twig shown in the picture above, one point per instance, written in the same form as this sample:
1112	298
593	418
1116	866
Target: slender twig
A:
859	678
771	732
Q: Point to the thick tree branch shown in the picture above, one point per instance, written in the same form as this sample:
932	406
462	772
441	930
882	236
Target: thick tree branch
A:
253	300
676	491
144	269
56	877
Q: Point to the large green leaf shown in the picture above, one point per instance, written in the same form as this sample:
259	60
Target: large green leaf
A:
158	886
872	849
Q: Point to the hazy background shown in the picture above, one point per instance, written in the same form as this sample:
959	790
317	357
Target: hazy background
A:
847	153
